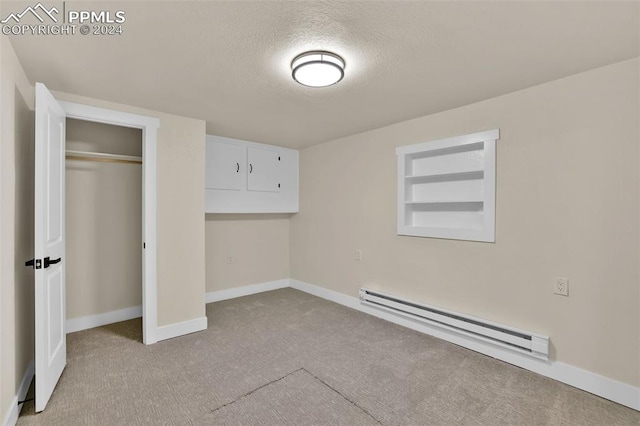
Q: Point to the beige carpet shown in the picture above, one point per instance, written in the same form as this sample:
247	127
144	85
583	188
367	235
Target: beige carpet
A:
288	358
297	398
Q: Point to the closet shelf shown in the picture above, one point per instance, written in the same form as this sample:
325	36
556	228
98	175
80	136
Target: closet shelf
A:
102	157
440	177
458	203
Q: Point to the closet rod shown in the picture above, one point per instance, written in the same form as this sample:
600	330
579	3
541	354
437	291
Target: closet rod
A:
102	157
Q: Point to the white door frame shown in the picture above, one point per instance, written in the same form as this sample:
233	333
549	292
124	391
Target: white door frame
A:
149	126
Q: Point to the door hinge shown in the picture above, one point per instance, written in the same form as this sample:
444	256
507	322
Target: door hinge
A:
34	263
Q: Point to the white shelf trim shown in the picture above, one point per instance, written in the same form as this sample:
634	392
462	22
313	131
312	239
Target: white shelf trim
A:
449	142
469	201
461	175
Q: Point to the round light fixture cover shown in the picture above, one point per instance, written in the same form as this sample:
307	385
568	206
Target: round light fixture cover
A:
317	68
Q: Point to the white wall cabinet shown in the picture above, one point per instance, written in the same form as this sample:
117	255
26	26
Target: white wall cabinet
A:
248	177
264	169
446	188
224	161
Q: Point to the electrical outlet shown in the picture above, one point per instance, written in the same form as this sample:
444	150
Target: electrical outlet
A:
562	286
358	254
230	260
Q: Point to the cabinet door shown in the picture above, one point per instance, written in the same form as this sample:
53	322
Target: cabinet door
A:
263	172
226	165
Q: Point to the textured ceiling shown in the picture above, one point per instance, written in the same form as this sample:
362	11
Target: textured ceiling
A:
228	62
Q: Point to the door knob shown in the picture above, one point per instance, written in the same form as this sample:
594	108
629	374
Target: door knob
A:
34	263
48	262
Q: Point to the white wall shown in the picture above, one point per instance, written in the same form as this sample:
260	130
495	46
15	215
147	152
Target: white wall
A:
16	226
258	244
567	205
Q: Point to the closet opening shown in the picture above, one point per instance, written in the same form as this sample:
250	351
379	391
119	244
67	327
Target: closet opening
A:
104	226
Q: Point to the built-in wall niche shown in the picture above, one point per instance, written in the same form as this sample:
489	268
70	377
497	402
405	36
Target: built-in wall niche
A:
446	188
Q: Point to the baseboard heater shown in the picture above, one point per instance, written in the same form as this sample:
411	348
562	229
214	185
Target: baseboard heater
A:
518	340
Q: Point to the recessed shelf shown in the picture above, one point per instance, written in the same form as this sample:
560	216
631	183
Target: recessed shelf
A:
441	202
446	188
446	177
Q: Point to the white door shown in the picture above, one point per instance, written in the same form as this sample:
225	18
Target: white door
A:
263	172
225	166
51	344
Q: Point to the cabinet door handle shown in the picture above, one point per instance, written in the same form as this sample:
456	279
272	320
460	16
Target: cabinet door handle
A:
250	168
237	167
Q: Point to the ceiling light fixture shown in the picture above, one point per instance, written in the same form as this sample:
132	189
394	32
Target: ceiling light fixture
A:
317	68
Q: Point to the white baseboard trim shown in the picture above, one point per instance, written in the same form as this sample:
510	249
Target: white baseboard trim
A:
334	296
181	328
11	418
232	293
91	321
604	387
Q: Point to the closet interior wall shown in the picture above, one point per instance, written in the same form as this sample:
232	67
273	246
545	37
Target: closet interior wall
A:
103	220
